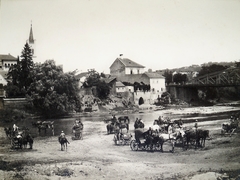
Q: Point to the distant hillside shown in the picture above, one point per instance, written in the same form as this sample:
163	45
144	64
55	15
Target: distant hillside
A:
195	68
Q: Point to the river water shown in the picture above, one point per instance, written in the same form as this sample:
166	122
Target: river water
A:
66	124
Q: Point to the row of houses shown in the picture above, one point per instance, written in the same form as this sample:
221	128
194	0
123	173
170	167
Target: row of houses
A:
129	76
125	75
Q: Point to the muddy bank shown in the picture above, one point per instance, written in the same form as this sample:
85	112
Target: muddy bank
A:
96	156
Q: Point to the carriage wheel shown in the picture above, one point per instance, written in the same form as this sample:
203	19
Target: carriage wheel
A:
115	140
192	142
222	131
81	136
134	145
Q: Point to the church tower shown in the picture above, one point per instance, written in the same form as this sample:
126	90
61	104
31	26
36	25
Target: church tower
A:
31	42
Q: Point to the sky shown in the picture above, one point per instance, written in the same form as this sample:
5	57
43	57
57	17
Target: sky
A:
90	34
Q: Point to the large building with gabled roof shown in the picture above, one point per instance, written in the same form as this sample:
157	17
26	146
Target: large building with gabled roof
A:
124	66
6	61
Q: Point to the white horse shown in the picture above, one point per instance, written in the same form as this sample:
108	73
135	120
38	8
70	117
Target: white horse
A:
172	137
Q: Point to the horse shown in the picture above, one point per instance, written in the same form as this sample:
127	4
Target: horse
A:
44	125
121	126
138	124
203	135
192	136
63	141
27	139
110	128
36	124
8	131
17	142
179	123
124	119
173	137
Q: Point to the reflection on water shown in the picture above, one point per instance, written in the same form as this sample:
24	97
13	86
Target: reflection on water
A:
66	124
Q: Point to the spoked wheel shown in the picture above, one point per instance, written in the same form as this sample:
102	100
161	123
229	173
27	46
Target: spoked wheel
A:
115	140
134	145
81	136
192	142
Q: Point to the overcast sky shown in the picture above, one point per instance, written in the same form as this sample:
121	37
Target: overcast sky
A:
86	34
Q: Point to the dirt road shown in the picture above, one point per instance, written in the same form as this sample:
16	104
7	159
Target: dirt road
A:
96	157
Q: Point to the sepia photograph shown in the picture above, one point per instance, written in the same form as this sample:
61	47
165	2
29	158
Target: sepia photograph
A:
119	90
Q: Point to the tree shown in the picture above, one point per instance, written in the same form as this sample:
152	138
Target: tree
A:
168	76
94	80
26	64
20	74
212	68
53	93
179	78
103	90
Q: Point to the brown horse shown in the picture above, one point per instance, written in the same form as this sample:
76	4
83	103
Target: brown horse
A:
63	141
124	119
122	126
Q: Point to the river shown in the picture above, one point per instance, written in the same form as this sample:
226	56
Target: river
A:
66	124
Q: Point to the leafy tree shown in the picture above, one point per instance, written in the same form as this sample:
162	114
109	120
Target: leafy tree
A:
168	76
212	68
94	80
20	74
103	90
237	64
179	78
53	92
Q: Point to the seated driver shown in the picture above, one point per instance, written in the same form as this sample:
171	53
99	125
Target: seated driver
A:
62	135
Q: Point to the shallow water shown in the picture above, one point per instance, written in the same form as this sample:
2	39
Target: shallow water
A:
66	124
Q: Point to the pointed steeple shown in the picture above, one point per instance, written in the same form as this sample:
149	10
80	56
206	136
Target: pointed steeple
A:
31	40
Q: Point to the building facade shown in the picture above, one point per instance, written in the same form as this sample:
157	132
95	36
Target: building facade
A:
6	61
125	66
145	86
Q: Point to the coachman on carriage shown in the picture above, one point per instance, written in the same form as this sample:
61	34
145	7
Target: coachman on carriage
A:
231	126
19	138
115	125
77	130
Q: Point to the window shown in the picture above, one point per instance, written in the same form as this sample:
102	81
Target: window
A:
138	71
131	71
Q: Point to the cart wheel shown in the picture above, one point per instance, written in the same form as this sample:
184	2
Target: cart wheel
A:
115	140
222	131
134	145
81	136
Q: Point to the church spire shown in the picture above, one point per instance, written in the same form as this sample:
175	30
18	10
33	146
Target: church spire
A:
31	40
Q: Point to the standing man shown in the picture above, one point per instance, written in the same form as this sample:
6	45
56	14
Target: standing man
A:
196	125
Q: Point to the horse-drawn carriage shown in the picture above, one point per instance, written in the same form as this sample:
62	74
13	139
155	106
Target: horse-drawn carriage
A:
229	127
154	138
21	139
77	131
146	141
115	125
43	126
122	138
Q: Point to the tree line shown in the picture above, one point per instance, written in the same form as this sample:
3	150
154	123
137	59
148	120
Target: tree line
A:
49	91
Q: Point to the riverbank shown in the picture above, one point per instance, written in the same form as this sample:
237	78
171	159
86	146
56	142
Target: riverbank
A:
96	156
